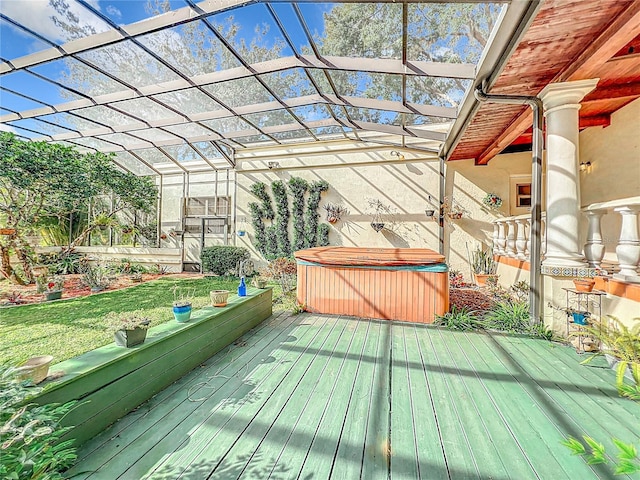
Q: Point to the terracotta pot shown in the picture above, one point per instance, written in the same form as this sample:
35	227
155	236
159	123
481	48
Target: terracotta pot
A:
481	278
219	297
584	284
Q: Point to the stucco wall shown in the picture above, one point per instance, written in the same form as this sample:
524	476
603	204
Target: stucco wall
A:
405	188
467	184
614	153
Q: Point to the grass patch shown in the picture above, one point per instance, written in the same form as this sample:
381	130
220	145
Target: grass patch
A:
68	328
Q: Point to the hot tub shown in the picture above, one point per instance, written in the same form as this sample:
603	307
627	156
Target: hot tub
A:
409	284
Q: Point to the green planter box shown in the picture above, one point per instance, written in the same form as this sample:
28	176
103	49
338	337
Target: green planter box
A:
111	381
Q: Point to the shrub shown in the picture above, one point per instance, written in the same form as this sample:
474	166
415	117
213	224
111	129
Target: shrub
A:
30	446
323	235
283	271
126	266
63	263
223	259
259	189
258	228
298	187
282	218
311	216
459	319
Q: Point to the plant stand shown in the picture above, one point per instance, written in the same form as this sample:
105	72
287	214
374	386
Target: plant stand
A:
586	305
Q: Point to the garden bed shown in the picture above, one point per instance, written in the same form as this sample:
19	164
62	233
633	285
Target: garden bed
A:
12	294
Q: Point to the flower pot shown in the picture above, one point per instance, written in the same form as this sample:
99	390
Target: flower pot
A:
482	278
584	284
182	313
259	283
429	213
219	297
54	295
35	369
241	233
130	338
377	226
97	289
580	318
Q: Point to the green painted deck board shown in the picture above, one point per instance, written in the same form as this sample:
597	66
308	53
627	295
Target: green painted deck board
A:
315	397
171	405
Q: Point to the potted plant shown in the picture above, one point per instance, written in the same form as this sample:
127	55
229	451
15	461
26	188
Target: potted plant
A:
483	266
95	277
451	209
584	284
54	288
34	369
334	212
219	298
259	281
621	345
136	277
182	299
377	209
129	328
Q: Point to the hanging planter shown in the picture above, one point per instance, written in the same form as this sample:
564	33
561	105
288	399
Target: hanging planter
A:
241	233
492	201
334	212
377	226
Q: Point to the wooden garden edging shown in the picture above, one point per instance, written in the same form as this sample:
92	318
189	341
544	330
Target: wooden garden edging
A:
111	381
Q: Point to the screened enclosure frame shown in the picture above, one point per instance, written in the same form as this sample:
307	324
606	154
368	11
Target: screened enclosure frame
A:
206	134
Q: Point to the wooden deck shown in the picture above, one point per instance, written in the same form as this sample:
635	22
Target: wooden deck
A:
317	397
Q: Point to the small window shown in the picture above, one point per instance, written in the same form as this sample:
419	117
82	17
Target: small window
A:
198	207
523	195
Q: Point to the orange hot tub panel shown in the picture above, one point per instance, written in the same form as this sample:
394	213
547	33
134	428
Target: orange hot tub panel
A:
409	284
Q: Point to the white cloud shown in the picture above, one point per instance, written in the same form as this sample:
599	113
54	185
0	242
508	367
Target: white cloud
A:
113	11
37	16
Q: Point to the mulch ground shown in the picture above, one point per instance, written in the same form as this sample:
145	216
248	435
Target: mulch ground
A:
73	287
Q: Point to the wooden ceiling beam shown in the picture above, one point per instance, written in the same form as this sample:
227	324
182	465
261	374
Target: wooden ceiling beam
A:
623	29
602	120
624	90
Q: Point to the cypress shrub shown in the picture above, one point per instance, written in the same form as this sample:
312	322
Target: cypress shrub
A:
258	228
323	235
259	189
282	218
312	216
298	187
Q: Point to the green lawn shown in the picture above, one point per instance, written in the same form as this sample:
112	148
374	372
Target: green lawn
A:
66	329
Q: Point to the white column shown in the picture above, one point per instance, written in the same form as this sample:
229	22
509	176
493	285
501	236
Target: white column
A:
511	238
594	248
628	249
561	103
521	238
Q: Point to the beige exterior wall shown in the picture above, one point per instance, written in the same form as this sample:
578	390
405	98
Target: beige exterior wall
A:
467	184
354	177
614	153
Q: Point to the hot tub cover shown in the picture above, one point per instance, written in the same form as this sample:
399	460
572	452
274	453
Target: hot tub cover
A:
352	256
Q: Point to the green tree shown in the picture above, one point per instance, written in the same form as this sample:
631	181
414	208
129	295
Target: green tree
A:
40	180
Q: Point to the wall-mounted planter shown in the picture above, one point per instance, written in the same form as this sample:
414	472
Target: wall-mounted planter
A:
429	213
241	233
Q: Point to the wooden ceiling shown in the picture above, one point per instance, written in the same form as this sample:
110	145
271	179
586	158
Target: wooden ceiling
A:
568	40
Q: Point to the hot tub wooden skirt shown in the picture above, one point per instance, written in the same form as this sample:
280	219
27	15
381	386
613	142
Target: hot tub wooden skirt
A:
414	288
